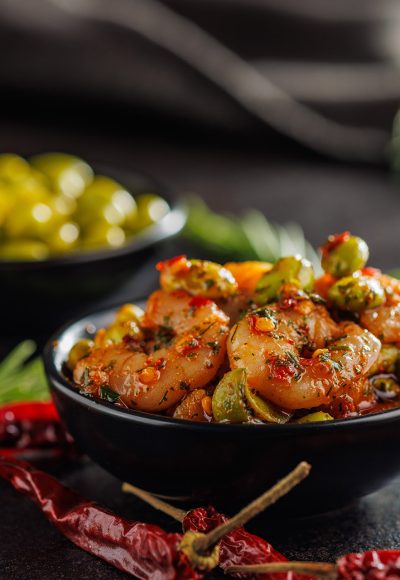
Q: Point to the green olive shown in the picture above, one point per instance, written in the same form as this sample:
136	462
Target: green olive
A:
7	202
64	238
31	220
290	270
151	208
31	190
80	350
127	322
386	386
129	313
68	174
23	249
387	362
198	277
13	168
263	409
315	417
64	205
356	293
228	399
346	257
103	235
106	199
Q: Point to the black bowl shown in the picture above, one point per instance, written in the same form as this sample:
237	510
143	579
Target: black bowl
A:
48	291
226	465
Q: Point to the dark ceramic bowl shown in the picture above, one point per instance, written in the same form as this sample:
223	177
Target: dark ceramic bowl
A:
45	292
227	465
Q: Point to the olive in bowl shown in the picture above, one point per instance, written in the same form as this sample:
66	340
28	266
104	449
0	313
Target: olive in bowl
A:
226	464
71	233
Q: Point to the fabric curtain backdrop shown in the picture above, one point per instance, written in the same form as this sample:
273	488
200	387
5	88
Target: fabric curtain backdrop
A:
338	59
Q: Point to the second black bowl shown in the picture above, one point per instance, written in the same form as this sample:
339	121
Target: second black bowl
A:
227	465
44	292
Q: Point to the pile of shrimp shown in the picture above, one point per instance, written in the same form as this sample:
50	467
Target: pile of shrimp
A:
298	354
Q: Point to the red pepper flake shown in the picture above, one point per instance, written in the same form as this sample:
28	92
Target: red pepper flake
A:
198	301
287	303
167	263
369	271
333	241
187	345
161	363
261	324
281	369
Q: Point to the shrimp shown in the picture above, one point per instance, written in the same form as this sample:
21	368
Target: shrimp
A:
384	321
186	348
195	407
271	344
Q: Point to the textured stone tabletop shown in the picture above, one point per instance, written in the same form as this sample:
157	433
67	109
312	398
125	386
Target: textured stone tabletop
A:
30	549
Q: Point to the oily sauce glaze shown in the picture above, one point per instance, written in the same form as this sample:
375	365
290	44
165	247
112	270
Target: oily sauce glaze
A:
253	342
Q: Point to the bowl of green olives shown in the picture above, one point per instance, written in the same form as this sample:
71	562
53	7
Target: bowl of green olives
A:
73	232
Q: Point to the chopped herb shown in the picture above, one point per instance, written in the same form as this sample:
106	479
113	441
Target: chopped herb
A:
164	397
85	376
215	347
234	333
206	328
108	394
163	336
340	347
161	363
317	299
329	391
209	283
184	386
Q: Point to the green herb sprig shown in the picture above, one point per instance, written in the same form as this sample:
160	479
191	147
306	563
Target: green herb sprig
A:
22	379
249	237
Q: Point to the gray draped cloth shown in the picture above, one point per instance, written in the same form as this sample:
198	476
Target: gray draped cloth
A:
322	73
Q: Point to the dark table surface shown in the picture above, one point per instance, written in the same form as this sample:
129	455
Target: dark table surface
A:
288	185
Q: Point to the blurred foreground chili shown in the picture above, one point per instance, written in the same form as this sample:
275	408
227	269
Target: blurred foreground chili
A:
31	426
143	550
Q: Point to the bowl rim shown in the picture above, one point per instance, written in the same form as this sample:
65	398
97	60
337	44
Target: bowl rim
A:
169	225
60	383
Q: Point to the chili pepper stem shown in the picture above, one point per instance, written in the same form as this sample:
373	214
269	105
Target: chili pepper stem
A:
203	543
317	569
156	503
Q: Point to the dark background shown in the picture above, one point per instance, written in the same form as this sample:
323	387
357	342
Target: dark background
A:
111	97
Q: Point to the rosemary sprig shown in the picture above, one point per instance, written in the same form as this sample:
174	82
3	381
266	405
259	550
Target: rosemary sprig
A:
22	379
249	237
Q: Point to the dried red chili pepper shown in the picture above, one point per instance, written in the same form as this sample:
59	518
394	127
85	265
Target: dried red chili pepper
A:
31	426
145	551
371	565
236	546
239	547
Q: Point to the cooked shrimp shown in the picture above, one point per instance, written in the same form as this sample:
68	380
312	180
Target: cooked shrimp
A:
188	346
384	321
195	407
270	344
199	277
